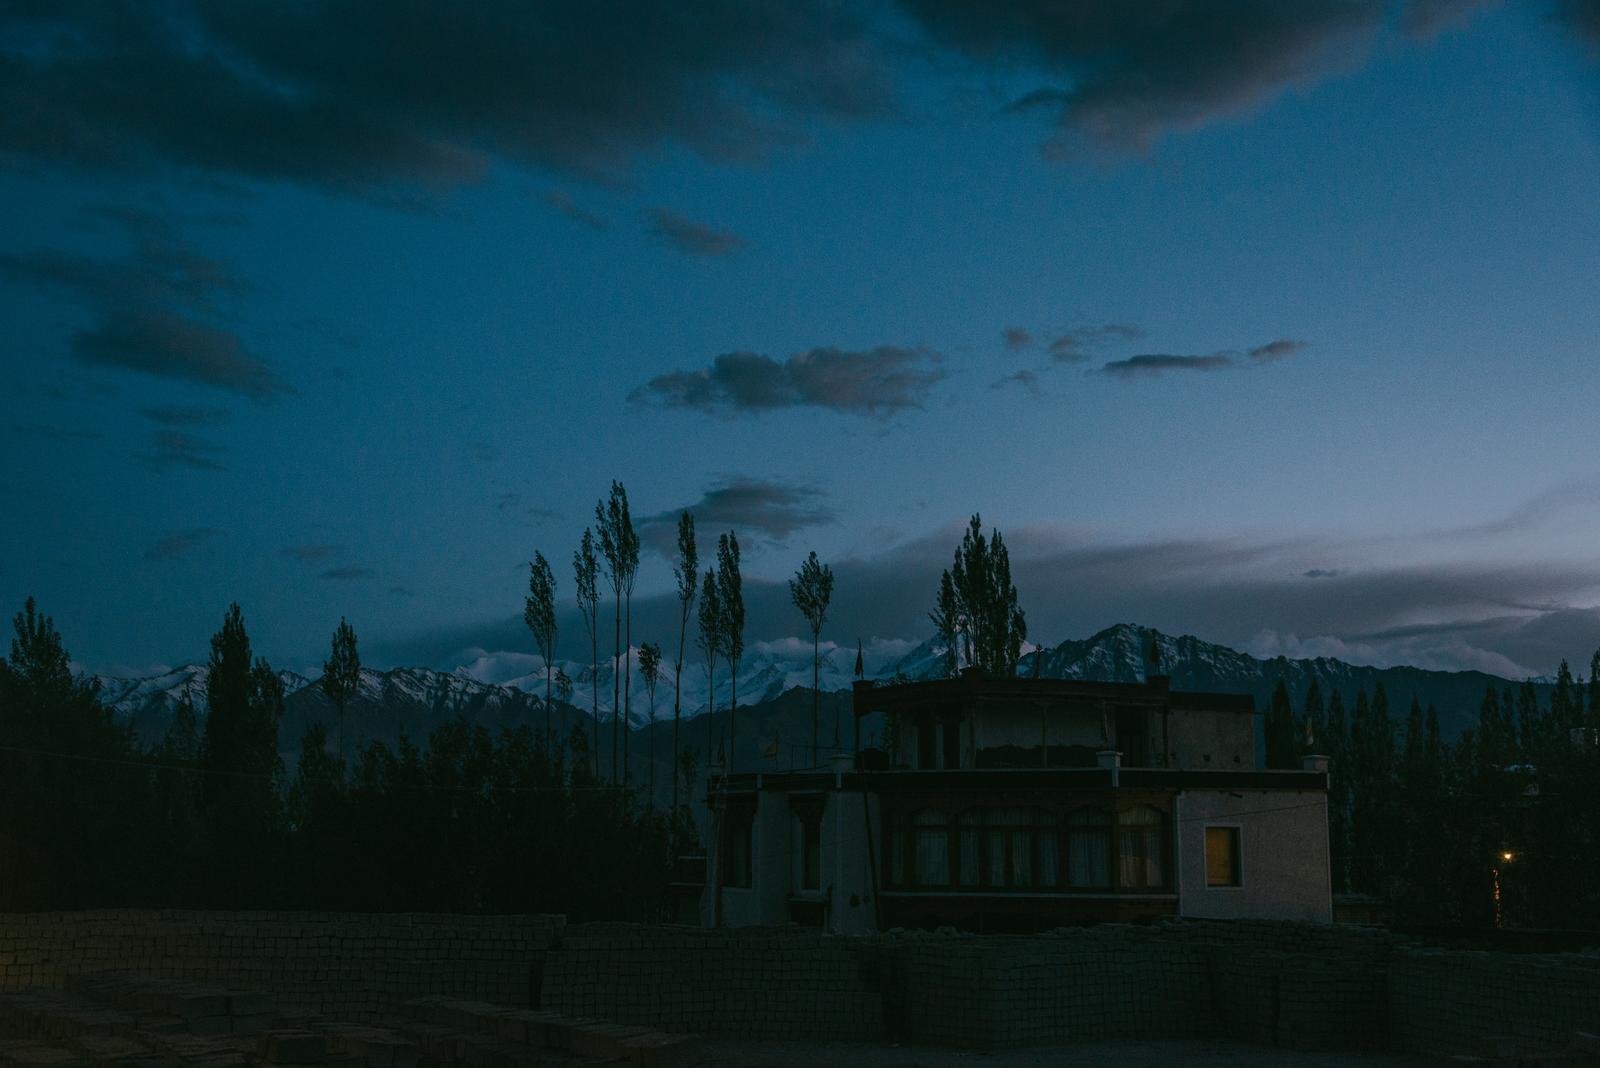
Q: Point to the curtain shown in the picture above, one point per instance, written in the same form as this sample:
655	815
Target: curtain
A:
1088	849
971	848
1141	847
933	848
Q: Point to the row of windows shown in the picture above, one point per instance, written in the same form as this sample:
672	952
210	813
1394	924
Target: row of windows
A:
1029	849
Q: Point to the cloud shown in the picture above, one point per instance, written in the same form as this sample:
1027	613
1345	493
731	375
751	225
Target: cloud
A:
1426	19
1321	572
1155	365
751	506
1582	18
358	97
183	415
562	201
690	237
1280	349
1073	346
57	433
1124	73
876	383
347	573
1026	379
156	310
174	448
180	543
311	554
1016	338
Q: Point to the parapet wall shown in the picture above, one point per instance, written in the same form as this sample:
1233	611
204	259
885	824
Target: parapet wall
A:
349	966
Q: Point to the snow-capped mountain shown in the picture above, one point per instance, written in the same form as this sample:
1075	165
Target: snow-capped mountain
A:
508	690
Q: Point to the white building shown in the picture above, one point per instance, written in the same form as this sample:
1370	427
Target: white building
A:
1025	804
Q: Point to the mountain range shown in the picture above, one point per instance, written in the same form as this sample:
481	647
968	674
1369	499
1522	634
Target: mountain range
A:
773	683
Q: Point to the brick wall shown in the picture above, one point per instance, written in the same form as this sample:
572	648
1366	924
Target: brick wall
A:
349	966
1461	1002
759	982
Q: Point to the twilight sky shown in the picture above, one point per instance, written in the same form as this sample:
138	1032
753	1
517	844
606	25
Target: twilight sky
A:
1272	323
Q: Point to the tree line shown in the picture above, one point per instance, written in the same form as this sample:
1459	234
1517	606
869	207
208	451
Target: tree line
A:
1500	827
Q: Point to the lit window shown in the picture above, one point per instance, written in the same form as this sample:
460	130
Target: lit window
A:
1089	848
932	848
1222	857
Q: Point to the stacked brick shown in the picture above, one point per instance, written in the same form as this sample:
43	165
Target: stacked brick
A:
755	982
348	966
1474	1003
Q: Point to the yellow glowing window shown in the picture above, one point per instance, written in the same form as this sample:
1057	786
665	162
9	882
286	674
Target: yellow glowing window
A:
1222	856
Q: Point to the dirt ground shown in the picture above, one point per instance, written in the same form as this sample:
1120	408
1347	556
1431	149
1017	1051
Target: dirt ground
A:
1124	1053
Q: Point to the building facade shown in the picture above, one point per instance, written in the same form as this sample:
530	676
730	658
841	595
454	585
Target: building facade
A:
1024	804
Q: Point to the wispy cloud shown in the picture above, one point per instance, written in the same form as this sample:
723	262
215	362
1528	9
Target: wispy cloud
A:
175	448
772	510
690	237
311	554
876	383
1016	338
157	311
348	573
180	543
1078	344
1152	365
183	415
561	200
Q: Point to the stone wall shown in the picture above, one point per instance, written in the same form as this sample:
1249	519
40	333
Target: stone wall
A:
775	982
350	966
1448	1002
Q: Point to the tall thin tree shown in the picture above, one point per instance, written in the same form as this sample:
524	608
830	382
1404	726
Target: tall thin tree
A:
710	643
730	590
650	671
686	571
628	538
607	520
811	589
341	676
976	603
586	572
540	616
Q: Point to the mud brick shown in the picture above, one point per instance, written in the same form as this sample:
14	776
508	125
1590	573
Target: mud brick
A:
658	1050
292	1047
250	1003
191	1004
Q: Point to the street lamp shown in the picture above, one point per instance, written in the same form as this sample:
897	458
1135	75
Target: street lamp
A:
1506	857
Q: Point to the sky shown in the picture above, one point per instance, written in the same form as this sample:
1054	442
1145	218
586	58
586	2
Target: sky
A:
1271	323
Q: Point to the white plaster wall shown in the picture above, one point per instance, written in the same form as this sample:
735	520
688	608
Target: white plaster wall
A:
1284	848
847	864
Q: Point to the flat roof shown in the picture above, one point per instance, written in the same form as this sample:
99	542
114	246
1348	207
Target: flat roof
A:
973	689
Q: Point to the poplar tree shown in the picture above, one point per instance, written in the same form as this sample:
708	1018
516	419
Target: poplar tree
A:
341	676
586	573
539	613
977	602
1282	741
686	571
710	642
730	591
650	671
607	519
811	589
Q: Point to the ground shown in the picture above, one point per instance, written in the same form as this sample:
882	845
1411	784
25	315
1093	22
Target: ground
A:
1124	1053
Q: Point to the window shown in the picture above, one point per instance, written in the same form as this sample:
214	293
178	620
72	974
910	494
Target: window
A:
970	846
738	830
811	851
1143	847
927	746
932	847
1222	857
1089	848
951	740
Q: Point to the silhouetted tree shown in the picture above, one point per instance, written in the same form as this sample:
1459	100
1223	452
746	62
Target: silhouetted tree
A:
650	671
239	758
341	676
685	571
811	589
947	623
539	613
1282	740
586	572
710	641
730	591
981	605
619	544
